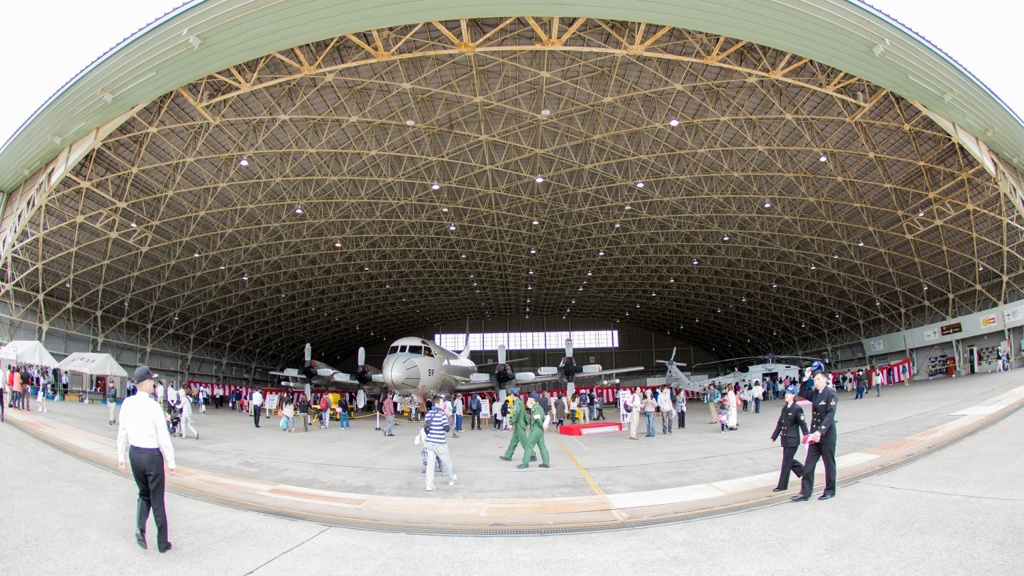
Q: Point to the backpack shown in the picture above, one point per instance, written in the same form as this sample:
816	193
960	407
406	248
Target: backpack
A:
504	409
325	404
474	404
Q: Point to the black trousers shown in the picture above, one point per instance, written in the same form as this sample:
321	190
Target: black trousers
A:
682	418
2	405
148	469
256	415
600	414
475	422
789	464
827	453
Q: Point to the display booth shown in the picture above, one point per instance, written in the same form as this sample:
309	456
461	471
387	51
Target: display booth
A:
27	353
98	371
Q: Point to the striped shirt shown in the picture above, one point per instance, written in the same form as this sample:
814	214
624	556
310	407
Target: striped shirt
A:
437	421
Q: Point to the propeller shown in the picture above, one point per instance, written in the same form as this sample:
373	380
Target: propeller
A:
570	370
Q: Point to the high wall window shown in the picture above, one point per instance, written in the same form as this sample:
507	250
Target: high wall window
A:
489	341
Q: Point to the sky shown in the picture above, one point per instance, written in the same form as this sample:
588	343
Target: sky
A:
49	41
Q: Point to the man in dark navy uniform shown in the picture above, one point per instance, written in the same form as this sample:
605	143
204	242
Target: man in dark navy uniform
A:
791	426
823	436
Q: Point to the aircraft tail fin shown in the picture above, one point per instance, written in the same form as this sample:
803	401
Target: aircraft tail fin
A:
466	350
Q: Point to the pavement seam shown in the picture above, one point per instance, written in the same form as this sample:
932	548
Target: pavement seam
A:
936	493
254	570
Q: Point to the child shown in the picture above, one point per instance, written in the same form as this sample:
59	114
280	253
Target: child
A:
723	414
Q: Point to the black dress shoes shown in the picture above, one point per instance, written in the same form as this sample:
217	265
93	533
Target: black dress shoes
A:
800	498
162	550
826	496
779	489
141	539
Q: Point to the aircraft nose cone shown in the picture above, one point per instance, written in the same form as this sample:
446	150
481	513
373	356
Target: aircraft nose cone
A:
401	374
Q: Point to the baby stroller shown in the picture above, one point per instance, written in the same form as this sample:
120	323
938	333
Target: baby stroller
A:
174	421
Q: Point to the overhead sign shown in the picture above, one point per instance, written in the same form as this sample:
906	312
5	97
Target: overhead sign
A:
988	321
878	345
1014	314
931	334
954	328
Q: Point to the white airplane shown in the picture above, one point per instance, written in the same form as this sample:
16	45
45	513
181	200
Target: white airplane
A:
421	368
320	375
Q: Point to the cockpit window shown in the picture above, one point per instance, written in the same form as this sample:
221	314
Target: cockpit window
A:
393	350
415	349
428	351
403	349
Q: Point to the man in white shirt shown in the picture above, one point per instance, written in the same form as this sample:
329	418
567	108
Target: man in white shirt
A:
159	394
186	416
172	395
218	394
142	438
257	403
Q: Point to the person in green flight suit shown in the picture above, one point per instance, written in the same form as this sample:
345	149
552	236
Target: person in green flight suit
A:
536	435
519	420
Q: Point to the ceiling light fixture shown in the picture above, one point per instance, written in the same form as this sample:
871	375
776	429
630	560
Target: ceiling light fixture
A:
545	112
823	158
535	222
813	267
725	238
463	256
298	209
860	243
337	244
589	273
451	227
533	250
410	122
244	161
628	207
767	204
538	179
696	261
444	210
221	266
195	254
245	277
530	271
600	253
132	224
774	285
435	186
640	184
617	225
672	279
673	122
529	286
921	213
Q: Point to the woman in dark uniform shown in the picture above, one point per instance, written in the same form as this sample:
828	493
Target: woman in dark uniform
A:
791	426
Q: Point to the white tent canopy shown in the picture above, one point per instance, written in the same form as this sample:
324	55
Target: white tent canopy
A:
28	352
93	363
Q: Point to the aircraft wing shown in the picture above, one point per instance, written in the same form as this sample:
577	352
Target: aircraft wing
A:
585	377
323	379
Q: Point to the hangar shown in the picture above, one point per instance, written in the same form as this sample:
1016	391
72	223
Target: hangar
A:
240	178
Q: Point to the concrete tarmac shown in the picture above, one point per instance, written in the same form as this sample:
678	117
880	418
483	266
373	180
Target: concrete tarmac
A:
957	510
